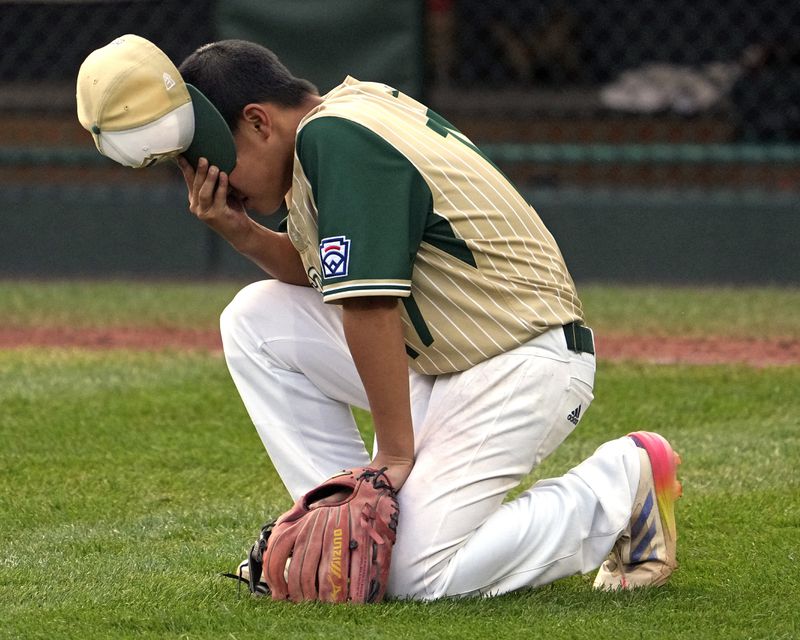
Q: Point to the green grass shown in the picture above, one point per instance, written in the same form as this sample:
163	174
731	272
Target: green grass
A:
695	311
743	312
129	481
81	303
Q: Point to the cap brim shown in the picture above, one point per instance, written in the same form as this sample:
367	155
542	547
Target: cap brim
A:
212	137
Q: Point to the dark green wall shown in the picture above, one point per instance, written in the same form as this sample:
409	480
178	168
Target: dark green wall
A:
675	237
324	41
97	231
637	236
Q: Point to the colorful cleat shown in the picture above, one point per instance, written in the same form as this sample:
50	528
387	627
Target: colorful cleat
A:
644	555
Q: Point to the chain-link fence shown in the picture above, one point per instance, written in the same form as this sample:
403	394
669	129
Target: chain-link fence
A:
675	91
44	44
653	95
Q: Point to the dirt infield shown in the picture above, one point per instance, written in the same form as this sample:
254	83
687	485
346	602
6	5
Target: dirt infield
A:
137	338
716	350
664	350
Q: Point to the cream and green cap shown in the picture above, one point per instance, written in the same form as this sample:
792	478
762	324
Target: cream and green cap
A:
139	110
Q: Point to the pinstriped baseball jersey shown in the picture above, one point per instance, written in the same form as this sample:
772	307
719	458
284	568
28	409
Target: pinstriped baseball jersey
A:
388	198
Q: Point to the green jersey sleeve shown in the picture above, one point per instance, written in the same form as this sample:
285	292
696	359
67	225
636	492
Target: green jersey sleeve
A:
372	207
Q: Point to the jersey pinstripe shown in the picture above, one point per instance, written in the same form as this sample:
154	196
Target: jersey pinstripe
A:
485	274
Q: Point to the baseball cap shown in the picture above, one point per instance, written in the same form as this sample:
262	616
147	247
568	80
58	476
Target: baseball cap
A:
134	102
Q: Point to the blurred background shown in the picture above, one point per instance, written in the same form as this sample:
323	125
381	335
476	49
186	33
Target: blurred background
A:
659	140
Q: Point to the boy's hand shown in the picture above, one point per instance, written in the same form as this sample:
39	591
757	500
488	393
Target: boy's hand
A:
211	200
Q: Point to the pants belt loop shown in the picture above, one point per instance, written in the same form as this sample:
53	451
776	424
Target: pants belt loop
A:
579	338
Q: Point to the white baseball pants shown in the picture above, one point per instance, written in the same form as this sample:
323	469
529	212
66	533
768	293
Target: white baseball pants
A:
477	433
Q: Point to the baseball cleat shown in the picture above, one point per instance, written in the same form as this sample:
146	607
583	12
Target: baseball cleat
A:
644	555
243	576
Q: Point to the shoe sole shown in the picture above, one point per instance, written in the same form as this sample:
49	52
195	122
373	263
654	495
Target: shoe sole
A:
664	462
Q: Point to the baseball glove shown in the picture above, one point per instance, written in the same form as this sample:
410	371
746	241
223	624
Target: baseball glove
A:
334	545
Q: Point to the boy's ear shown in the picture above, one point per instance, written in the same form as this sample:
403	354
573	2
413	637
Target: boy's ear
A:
255	116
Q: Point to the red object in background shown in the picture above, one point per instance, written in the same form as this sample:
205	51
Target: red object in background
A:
440	6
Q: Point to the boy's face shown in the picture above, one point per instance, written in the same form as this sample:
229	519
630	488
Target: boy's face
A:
263	173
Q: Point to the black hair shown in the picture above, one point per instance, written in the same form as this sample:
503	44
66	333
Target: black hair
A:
234	73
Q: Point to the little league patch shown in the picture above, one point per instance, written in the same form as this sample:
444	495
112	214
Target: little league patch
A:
334	253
